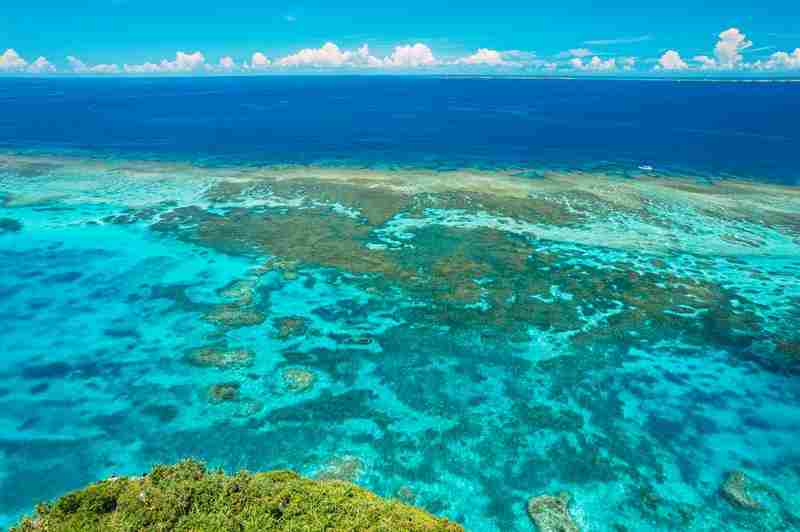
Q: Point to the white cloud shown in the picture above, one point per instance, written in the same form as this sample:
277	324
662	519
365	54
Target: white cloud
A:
411	56
727	52
727	55
11	61
329	55
364	58
79	67
104	68
225	64
728	49
780	61
41	66
485	56
628	63
259	61
671	60
706	63
594	65
183	63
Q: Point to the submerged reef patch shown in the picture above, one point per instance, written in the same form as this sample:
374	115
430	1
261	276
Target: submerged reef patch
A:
735	489
234	316
346	468
241	291
219	356
551	513
290	327
297	380
223	392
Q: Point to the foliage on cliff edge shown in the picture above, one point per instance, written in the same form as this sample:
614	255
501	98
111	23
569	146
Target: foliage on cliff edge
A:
187	497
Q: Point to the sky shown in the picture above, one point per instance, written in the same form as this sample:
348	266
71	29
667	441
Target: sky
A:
569	37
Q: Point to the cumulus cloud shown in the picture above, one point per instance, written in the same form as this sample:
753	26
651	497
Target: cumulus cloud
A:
728	49
706	63
595	64
780	61
183	63
485	56
225	64
330	56
727	55
411	56
727	52
259	61
79	67
41	66
364	58
11	61
628	63
671	60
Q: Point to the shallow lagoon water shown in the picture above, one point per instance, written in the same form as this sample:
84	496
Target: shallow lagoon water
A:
462	338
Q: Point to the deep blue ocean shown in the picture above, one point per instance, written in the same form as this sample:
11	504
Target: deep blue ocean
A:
462	293
717	128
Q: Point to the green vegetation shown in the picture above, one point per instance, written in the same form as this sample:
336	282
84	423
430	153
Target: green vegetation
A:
187	497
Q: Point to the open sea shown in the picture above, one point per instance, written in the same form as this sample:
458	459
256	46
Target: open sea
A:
462	293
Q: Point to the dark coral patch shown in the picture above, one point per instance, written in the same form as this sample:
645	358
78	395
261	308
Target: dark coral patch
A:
9	225
54	370
162	412
223	392
39	388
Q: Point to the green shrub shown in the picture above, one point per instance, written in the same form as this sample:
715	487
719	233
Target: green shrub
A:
187	497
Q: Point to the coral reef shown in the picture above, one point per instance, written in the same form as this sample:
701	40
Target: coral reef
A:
218	356
471	329
223	392
242	291
345	468
290	327
298	380
234	316
188	497
551	513
736	489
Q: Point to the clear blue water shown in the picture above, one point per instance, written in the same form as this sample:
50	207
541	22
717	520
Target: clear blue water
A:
713	128
668	360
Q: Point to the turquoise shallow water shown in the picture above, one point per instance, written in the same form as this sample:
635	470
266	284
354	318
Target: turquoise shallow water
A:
98	318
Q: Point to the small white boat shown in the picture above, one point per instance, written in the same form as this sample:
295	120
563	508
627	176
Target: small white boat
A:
646	168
